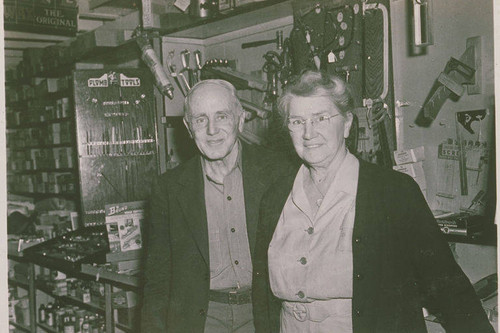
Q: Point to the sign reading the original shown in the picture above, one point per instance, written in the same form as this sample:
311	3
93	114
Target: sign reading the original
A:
57	17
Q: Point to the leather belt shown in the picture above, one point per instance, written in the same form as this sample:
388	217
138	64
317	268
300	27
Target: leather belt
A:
237	297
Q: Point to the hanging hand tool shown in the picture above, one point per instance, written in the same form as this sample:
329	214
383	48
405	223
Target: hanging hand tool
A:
272	68
346	70
286	63
151	59
448	83
172	70
254	110
220	69
197	69
278	40
185	66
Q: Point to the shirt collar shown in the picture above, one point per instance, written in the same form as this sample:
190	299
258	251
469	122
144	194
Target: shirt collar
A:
346	179
237	164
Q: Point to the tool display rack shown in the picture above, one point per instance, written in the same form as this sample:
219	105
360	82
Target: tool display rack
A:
108	278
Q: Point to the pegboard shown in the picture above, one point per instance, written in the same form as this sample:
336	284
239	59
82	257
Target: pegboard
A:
351	39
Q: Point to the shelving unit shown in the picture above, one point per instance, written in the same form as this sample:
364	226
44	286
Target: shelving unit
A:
29	286
40	144
88	272
91	306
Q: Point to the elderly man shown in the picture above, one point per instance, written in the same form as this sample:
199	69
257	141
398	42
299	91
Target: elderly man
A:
202	228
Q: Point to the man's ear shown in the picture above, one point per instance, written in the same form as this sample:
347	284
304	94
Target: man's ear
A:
347	124
241	121
187	127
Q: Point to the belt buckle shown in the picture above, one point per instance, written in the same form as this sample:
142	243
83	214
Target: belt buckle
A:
233	297
300	312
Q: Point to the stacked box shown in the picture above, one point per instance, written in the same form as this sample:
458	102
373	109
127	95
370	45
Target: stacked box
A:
22	311
11	75
63	157
409	161
49	57
65	132
55	133
11	95
33	58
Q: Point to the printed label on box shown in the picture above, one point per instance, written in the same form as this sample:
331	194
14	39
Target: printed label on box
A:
123	222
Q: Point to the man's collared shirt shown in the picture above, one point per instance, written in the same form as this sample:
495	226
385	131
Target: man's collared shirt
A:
230	261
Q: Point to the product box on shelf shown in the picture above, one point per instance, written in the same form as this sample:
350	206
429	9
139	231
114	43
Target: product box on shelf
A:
123	223
22	311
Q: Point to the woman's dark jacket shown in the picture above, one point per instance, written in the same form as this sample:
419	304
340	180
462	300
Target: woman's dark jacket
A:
401	261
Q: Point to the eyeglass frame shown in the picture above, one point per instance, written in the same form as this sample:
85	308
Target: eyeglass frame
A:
302	122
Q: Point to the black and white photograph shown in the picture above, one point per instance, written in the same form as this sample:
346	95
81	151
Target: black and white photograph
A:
249	166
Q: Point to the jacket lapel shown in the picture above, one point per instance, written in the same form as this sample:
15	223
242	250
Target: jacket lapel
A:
192	201
254	184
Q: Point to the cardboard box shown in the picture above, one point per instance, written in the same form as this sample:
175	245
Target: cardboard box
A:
409	155
124	299
123	222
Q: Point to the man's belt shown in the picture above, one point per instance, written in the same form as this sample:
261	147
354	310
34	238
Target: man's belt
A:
231	297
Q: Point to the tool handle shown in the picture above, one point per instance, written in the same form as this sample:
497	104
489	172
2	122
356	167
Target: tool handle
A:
185	59
197	58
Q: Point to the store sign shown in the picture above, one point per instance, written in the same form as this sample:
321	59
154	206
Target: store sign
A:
111	78
56	17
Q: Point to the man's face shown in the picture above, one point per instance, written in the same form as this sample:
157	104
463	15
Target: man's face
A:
212	123
319	143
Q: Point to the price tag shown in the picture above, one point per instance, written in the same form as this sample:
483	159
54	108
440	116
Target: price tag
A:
331	57
182	4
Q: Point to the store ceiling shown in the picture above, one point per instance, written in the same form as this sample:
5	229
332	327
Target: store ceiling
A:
91	15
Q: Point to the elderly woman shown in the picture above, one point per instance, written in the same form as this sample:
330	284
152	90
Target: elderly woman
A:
346	246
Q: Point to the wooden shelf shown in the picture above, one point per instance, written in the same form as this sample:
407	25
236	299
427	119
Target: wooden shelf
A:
43	97
111	276
18	283
92	306
48	146
19	326
487	237
41	123
69	196
182	25
48	170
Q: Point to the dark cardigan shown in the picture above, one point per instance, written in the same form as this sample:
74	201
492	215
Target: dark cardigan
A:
401	261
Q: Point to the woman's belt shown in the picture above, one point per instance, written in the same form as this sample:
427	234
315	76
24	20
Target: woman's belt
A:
318	310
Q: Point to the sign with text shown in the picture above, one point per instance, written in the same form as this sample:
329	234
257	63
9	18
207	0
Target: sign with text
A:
56	17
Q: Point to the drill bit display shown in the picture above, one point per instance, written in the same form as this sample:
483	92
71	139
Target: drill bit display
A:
116	133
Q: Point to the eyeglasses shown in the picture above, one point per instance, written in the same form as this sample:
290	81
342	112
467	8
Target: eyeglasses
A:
220	119
296	124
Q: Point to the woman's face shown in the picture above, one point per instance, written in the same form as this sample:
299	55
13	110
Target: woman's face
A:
318	142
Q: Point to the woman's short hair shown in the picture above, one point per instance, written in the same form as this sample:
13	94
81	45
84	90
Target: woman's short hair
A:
314	83
234	102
